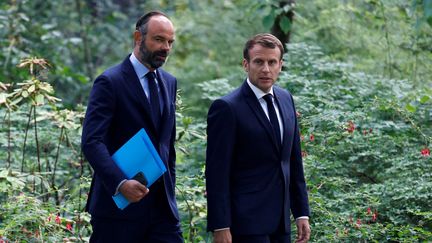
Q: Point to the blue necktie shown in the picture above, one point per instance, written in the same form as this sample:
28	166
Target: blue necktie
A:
273	117
154	98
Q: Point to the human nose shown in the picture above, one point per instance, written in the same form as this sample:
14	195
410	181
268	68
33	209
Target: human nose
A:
166	46
266	68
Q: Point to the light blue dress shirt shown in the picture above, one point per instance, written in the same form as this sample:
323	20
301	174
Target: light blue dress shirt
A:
141	71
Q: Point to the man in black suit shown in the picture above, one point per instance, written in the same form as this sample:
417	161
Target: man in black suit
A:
254	167
132	95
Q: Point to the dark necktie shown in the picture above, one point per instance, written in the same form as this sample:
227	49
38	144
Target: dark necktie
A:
273	117
154	97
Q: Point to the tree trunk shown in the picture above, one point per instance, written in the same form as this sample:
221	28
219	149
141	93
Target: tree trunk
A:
276	29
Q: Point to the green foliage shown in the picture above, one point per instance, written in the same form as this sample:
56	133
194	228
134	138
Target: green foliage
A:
190	187
359	72
362	151
26	218
42	180
383	37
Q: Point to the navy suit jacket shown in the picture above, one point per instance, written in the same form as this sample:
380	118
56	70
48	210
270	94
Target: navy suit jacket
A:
252	181
117	109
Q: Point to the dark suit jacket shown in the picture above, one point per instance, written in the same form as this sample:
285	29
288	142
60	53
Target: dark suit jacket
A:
117	109
251	180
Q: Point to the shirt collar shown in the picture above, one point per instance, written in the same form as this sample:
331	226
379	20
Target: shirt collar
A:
258	93
139	68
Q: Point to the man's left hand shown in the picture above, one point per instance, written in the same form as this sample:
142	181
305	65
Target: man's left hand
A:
303	230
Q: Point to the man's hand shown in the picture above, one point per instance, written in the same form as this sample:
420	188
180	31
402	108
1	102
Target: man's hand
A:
222	236
133	191
303	230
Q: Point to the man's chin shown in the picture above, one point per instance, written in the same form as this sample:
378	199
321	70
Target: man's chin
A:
157	64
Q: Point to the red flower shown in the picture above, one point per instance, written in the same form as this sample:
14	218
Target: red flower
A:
69	226
351	127
368	211
312	137
425	152
58	220
358	224
49	218
374	217
304	154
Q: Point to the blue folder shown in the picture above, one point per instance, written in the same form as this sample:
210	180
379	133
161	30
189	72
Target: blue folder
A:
138	155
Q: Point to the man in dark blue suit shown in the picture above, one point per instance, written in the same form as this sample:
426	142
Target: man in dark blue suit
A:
254	167
132	95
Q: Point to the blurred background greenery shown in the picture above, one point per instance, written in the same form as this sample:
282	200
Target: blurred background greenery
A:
359	72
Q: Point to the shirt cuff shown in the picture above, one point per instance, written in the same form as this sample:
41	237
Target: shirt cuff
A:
119	185
302	217
221	229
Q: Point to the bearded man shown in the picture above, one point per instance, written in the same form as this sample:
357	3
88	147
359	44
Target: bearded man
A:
132	95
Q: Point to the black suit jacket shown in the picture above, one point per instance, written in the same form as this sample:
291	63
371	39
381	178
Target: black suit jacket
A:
252	182
117	109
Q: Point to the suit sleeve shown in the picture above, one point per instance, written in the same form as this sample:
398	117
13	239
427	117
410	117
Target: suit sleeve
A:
100	111
298	192
220	142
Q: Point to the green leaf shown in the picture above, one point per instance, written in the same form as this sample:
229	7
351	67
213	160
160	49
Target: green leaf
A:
285	24
24	94
16	101
39	99
424	99
31	88
2	98
268	21
410	108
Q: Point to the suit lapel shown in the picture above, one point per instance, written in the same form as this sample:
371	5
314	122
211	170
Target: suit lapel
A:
130	76
255	106
166	111
284	110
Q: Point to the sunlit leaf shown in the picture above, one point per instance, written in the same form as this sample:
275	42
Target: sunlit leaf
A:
39	99
2	98
31	88
410	108
424	99
24	94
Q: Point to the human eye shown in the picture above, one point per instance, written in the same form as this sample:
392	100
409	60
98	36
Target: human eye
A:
272	62
258	61
159	39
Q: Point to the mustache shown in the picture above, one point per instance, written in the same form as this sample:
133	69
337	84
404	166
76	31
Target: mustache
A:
160	53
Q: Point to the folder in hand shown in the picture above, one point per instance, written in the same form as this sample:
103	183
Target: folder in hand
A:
138	159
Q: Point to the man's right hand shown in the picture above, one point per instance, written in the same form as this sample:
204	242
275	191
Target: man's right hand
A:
222	236
133	190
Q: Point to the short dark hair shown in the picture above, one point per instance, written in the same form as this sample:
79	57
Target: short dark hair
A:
265	40
142	23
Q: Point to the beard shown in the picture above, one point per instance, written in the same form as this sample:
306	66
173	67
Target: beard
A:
152	58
